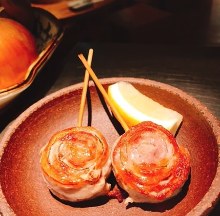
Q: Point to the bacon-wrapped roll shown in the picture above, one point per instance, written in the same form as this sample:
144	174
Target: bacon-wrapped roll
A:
149	164
76	163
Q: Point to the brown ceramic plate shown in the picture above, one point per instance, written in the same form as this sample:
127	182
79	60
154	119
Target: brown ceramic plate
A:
23	191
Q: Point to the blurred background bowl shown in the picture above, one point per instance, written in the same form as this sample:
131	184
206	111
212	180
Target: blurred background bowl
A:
48	33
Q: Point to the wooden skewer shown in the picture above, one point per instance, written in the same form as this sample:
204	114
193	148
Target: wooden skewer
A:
102	90
84	91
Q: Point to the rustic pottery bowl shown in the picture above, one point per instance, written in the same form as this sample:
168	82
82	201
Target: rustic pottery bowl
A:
48	34
24	192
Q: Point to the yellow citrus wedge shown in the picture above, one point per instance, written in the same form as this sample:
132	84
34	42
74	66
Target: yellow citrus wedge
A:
136	107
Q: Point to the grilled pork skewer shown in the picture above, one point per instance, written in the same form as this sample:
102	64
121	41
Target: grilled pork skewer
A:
76	161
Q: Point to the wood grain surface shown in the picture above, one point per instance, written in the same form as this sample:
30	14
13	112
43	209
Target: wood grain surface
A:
194	70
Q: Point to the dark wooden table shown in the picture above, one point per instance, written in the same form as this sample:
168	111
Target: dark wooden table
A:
195	70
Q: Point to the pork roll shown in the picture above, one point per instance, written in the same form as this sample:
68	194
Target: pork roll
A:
149	164
75	164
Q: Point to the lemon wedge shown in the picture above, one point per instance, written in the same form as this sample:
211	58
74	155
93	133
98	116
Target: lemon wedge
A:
135	107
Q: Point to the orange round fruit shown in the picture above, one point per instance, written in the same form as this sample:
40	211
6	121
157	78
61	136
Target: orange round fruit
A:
18	51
